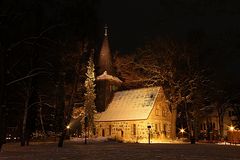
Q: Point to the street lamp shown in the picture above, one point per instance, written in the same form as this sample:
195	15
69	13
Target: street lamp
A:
149	127
182	130
231	128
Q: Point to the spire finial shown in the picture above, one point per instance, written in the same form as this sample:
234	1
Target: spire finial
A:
105	30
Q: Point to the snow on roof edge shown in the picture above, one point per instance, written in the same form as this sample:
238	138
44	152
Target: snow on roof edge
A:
106	76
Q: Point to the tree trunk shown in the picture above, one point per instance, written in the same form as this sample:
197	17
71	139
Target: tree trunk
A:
41	121
173	122
24	124
68	112
61	138
188	121
61	100
60	104
2	126
220	120
196	128
3	98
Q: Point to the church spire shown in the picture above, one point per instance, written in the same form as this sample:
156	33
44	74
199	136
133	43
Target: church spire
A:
105	58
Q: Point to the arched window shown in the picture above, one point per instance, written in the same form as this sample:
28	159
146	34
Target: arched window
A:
121	133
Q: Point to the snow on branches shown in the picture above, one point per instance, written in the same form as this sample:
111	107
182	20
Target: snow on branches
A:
90	96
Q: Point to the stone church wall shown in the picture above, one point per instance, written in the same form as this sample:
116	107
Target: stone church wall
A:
137	131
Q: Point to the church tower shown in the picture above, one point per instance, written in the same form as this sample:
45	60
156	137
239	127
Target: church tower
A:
106	83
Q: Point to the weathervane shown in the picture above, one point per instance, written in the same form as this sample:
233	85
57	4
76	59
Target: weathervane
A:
105	29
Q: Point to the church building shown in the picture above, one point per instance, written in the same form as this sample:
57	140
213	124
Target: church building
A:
137	115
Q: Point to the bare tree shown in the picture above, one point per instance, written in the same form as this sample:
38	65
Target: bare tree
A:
72	91
3	72
46	39
163	62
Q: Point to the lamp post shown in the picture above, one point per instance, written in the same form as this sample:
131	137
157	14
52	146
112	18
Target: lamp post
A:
149	136
68	131
231	128
85	128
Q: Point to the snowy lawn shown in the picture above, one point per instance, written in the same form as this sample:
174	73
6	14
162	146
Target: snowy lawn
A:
76	150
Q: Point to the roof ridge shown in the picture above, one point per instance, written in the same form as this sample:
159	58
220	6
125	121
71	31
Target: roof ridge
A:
139	89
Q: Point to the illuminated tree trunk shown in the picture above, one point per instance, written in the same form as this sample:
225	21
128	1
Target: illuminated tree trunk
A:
25	115
220	122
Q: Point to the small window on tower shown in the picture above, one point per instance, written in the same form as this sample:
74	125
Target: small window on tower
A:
114	88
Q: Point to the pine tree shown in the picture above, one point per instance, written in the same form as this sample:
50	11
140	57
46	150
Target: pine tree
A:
89	96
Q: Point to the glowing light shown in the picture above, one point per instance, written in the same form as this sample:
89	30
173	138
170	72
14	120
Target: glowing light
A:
231	128
182	130
68	127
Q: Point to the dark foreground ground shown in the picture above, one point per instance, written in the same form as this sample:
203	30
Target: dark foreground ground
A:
120	151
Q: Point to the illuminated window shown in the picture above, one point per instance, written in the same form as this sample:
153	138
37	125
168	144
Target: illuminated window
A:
103	133
157	112
164	129
110	130
134	129
156	127
164	113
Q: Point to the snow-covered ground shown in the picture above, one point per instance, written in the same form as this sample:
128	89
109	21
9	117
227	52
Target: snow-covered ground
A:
89	140
74	150
227	143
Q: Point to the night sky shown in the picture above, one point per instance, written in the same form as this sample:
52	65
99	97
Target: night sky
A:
132	22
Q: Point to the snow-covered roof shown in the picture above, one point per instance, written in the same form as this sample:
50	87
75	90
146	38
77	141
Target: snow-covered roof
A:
133	104
106	76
